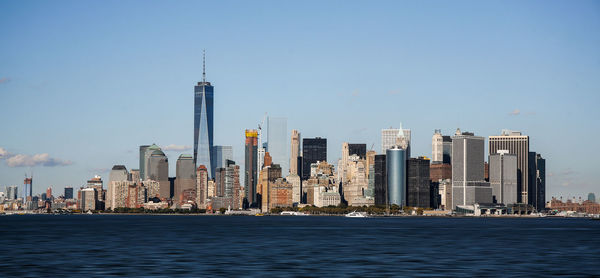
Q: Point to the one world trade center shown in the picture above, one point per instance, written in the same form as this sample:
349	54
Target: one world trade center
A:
203	123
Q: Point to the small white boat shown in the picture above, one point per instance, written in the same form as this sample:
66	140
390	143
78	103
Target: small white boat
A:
356	214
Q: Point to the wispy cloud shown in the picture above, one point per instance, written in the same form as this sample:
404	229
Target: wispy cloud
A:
515	112
177	148
394	92
4	80
355	93
25	160
98	170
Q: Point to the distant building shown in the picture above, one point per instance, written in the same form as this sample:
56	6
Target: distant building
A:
89	197
68	192
445	192
313	150
294	152
12	192
538	181
277	141
203	125
390	136
380	179
591	197
418	185
440	171
134	175
294	180
468	184
441	148
145	153
100	196
358	149
202	187
221	154
396	176
518	144
250	171
28	184
185	176
158	170
268	176
503	177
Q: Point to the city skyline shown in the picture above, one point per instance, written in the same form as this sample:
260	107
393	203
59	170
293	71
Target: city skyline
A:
118	120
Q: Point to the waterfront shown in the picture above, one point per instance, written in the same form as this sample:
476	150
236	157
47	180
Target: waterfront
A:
151	245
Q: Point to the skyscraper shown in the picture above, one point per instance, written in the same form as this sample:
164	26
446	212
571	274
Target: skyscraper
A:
158	170
143	161
358	149
277	141
313	150
294	152
539	202
418	186
468	185
203	123
201	186
503	177
68	192
250	166
389	136
28	182
221	154
185	177
518	144
145	153
396	175
380	180
441	147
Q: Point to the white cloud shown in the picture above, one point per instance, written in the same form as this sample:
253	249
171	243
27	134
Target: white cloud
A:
177	148
515	112
24	160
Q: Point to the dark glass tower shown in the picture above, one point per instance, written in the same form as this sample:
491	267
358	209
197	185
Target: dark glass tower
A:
358	149
380	180
313	150
418	186
203	124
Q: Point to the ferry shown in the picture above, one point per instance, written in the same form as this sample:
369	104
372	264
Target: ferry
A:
295	213
356	214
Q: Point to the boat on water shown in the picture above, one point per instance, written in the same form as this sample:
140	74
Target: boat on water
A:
295	213
259	214
356	214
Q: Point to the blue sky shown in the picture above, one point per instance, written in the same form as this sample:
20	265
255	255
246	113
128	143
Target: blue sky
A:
87	82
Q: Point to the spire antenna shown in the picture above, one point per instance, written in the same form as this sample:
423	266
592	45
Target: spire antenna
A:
204	65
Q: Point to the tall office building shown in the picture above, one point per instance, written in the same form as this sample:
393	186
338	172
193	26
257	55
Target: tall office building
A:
389	137
201	186
250	172
313	150
358	149
380	180
12	192
145	153
503	177
143	160
158	170
468	184
396	175
203	123
28	183
185	177
294	152
221	154
277	141
68	192
118	173
591	197
441	148
517	144
539	181
419	185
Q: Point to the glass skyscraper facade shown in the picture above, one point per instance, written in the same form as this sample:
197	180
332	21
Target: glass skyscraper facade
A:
203	126
313	150
396	176
277	142
221	154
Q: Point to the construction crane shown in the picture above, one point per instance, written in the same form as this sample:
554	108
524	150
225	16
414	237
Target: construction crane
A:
260	130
